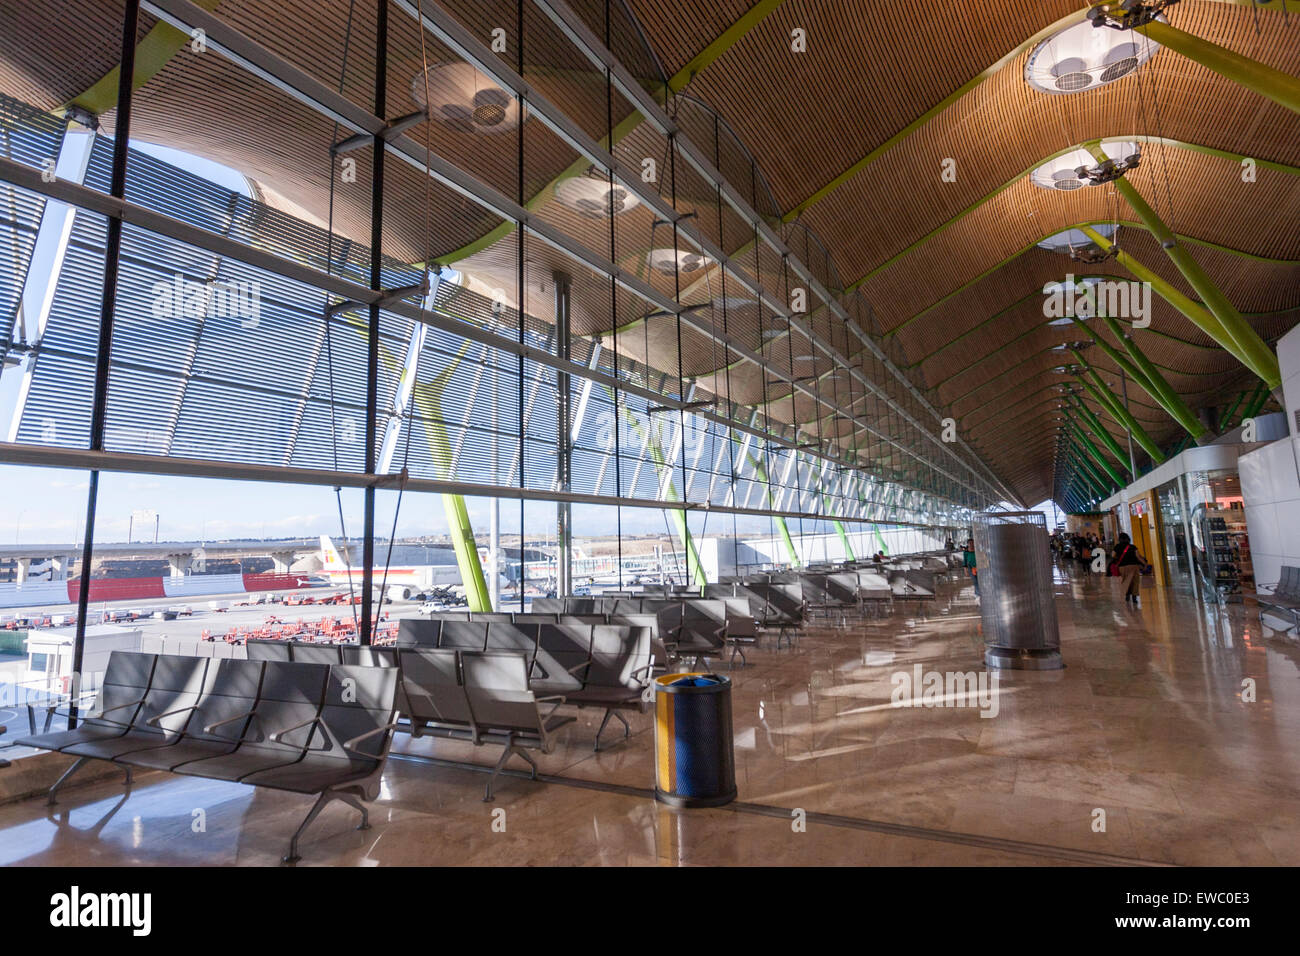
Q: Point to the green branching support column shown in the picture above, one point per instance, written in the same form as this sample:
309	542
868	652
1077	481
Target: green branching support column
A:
694	566
780	521
844	540
1095	454
1092	381
835	522
1230	327
1093	478
427	398
1279	87
1148	377
1198	314
1098	429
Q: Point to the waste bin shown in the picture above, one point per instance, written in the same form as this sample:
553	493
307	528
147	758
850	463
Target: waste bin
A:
695	764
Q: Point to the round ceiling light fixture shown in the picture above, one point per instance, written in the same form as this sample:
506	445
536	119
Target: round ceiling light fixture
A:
1079	168
462	98
1082	57
592	195
682	261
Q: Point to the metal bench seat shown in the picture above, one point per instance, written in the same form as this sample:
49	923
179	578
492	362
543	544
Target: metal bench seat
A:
247	721
479	696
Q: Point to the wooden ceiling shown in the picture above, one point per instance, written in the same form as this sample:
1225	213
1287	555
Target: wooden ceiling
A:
851	138
852	135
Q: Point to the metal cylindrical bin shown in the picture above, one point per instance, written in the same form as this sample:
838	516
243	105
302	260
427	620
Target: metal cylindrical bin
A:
694	760
1017	602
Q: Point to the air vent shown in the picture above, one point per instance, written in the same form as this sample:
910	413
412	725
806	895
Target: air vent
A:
1122	68
1073	82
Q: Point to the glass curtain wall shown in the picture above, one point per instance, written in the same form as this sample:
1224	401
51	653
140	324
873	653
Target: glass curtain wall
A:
448	285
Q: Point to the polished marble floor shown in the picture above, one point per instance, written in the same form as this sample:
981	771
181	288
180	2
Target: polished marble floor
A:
1146	749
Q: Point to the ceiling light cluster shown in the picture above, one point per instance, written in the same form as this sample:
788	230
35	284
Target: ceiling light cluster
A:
1128	14
1079	168
592	195
1081	58
683	262
462	98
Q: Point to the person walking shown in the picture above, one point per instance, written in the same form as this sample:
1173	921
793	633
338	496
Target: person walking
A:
1127	563
968	560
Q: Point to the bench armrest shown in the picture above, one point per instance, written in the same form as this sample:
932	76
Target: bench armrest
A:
132	703
559	702
649	670
153	721
229	720
278	735
351	745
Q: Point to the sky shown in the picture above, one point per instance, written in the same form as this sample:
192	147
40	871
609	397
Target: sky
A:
48	506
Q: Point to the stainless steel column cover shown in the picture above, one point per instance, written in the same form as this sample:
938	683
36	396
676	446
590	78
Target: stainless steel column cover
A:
1015	581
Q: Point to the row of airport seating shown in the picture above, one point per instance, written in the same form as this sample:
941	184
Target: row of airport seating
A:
189	647
698	627
583	665
310	728
587	665
316	652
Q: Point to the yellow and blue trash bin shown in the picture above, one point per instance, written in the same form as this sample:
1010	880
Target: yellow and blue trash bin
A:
694	760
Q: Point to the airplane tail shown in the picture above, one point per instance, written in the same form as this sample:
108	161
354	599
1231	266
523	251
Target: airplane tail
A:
330	556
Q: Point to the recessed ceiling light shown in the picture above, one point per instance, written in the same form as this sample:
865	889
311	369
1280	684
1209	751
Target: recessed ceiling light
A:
462	98
592	195
1082	57
1062	173
683	261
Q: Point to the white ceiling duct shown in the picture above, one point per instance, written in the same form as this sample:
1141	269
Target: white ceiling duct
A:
683	261
1062	173
592	196
1083	57
464	99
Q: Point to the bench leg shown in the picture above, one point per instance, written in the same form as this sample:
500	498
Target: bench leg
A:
357	805
510	748
317	807
611	712
325	797
81	762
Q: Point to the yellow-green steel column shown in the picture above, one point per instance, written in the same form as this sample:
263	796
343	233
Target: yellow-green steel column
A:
1256	354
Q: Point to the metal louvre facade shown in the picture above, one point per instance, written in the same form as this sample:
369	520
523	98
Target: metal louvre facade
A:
277	388
594	306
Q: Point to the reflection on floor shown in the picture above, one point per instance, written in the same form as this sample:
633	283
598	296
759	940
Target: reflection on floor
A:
1147	724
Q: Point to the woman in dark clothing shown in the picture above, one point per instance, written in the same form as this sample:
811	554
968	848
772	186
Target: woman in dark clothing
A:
1128	563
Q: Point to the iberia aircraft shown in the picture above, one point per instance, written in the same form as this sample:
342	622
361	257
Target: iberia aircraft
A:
412	568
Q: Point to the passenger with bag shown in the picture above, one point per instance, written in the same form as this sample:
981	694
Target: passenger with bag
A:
1127	564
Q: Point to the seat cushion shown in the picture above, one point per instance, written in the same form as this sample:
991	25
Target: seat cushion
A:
607	696
239	763
86	733
112	747
171	756
311	774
